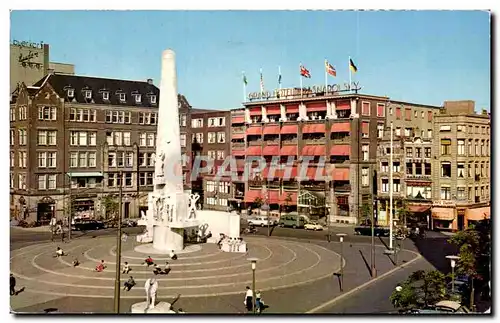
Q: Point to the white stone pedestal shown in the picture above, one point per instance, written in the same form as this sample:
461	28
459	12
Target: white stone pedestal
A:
160	308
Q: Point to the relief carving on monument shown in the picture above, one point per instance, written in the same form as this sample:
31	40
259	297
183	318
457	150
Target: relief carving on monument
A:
193	198
160	164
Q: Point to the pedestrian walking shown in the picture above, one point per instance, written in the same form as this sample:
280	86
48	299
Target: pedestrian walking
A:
259	304
248	299
12	285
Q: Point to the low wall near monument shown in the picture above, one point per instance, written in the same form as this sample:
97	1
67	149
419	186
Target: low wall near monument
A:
218	222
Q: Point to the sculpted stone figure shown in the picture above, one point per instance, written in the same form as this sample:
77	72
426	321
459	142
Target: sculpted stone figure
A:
160	164
151	286
193	198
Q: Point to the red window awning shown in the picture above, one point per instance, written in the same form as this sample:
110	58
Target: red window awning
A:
238	153
254	151
273	197
313	151
292	108
340	174
341	127
251	195
418	208
365	108
239	119
315	173
380	110
271	151
273	110
284	198
272	130
365	127
275	174
340	150
316	106
255	111
314	128
238	136
288	151
289	129
343	105
254	130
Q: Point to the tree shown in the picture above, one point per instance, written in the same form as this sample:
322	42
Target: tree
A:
110	205
421	289
258	201
474	254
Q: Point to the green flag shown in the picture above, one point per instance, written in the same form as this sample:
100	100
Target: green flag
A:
245	80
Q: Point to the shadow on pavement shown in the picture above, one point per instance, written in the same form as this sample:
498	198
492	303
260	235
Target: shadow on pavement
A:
365	261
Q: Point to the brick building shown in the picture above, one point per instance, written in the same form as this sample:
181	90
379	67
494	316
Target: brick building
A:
73	135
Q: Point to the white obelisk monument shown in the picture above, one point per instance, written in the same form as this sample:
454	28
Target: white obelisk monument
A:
170	209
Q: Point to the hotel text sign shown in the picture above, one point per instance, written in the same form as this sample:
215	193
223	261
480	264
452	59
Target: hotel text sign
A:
315	89
27	44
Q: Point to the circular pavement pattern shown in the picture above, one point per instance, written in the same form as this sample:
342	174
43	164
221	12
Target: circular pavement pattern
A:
205	272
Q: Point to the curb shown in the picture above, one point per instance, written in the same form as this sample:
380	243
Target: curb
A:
368	283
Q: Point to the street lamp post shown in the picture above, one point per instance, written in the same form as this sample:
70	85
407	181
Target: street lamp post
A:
254	265
391	186
341	237
453	263
118	247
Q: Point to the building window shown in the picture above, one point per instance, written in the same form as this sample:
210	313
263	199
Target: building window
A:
427	152
221	137
73	159
385	185
126	138
12	180
22	137
42	137
398	132
12	114
461	147
183	120
197	123
112	159
396	185
52	179
365	129
150	160
445	193
47	113
92	138
22	181
82	159
364	176
197	137
92	159
476	148
117	138
445	169
390	111
151	139
222	122
396	167
129	159
152	100
408	132
88	94
380	130
82	138
183	140
409	152
398	113
137	98
120	157
470	151
381	110
42	181
365	152
12	136
445	147
212	122
461	128
418	152
461	170
418	169
142	139
128	179
42	159
142	179
461	193
23	157
220	154
409	168
365	108
52	159
384	167
428	169
23	115
483	150
445	128
122	97
408	114
12	159
211	137
142	159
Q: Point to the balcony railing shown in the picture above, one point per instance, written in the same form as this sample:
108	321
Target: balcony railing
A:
314	141
237	129
255	143
289	141
290	185
419	177
313	187
238	145
272	141
256	183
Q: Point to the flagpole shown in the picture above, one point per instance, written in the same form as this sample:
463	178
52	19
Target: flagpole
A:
349	72
300	75
261	82
326	77
244	88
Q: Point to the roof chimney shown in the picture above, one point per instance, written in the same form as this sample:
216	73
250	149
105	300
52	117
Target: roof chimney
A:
150	81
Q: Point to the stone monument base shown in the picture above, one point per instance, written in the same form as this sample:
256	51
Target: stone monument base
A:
160	308
149	249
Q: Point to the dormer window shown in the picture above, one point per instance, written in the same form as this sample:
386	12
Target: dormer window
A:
137	98
153	99
105	95
122	97
88	94
71	93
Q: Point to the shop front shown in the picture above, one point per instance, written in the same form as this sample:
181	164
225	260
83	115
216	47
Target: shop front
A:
472	216
443	218
45	210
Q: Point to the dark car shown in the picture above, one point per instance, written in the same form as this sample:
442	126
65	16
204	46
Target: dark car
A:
85	225
367	231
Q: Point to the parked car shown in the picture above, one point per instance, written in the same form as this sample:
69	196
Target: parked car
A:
129	223
259	221
313	226
84	225
367	231
291	221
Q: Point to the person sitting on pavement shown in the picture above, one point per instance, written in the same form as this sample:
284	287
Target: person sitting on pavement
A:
126	268
100	267
76	262
129	284
59	252
149	261
172	255
157	270
167	268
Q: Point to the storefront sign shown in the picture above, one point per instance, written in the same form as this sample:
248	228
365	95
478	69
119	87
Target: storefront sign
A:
295	92
27	44
444	203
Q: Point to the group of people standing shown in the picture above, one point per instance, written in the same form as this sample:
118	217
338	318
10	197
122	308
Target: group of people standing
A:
249	303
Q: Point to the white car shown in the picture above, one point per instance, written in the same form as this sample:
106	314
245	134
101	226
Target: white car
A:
313	226
259	221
